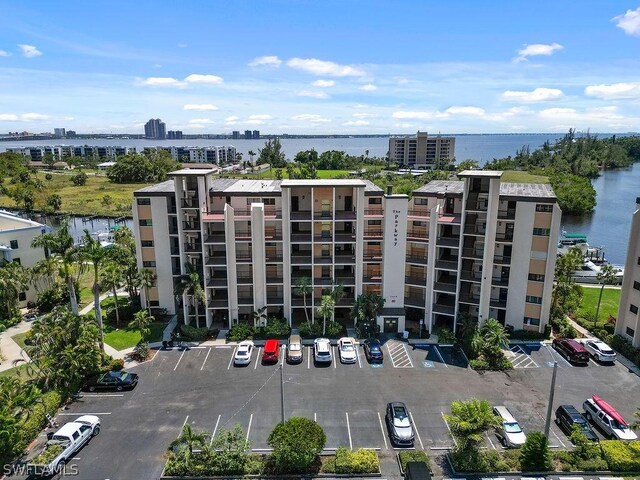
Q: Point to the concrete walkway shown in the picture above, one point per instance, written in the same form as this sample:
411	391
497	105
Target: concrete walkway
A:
11	350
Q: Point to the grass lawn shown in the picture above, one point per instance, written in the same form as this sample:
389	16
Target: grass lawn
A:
20	369
516	176
608	306
86	285
125	338
86	199
322	174
19	339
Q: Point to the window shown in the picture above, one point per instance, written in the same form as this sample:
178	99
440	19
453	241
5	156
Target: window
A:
536	277
145	223
375	201
144	201
531	321
22	296
154	303
544	208
532	299
374	222
269	201
636	285
420	201
147	243
14	244
630	331
17	260
633	309
149	263
544	232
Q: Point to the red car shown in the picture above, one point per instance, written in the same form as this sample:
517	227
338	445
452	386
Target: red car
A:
572	350
271	351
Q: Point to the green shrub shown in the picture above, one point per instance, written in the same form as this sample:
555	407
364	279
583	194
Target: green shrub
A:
194	334
240	332
310	330
621	456
531	335
622	345
586	455
446	336
296	444
2	327
334	329
535	454
469	460
361	461
407	456
116	365
276	328
31	427
141	351
254	464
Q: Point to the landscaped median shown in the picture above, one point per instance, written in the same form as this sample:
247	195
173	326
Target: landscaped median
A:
297	448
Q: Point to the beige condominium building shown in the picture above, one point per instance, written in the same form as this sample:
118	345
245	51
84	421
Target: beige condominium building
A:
628	323
473	246
422	151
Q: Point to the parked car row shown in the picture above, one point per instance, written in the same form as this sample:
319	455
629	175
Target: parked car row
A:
322	351
579	353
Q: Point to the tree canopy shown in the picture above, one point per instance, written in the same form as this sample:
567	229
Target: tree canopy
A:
147	167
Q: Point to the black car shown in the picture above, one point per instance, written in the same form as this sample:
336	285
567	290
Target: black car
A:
567	416
373	351
112	381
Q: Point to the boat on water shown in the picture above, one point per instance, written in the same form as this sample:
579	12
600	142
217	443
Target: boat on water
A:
593	258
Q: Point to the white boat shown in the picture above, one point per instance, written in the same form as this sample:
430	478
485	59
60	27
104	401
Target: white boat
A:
593	258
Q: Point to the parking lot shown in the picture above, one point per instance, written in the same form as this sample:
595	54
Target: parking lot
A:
203	388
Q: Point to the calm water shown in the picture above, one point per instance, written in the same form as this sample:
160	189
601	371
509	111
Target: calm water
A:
608	226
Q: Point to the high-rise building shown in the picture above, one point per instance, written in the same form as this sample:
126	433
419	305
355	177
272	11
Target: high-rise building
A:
422	151
174	135
59	132
256	135
71	133
155	129
476	247
235	135
248	135
628	321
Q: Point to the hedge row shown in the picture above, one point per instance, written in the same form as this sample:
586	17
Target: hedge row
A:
350	462
37	419
621	456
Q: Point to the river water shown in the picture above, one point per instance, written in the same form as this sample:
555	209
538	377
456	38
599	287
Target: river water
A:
607	227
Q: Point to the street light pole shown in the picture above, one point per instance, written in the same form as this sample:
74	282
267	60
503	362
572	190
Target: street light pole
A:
547	423
282	386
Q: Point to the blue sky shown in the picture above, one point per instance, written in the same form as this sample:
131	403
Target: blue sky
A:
297	66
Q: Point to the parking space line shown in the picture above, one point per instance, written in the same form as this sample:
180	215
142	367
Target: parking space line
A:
415	427
556	435
315	417
391	356
98	395
445	422
309	358
440	356
491	442
553	356
205	359
178	363
335	357
215	429
249	427
382	430
88	413
349	431
231	359
358	355
185	422
257	358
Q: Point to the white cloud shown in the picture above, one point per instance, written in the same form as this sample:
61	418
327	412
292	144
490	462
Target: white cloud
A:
537	49
369	87
201	120
162	82
8	117
413	115
323	83
536	95
356	123
29	117
260	117
614	91
232	120
182	45
629	22
266	61
312	94
323	67
309	117
200	107
4	53
364	115
468	111
29	51
403	125
207	79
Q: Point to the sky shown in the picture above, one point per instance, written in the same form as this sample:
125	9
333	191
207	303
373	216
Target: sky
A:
321	67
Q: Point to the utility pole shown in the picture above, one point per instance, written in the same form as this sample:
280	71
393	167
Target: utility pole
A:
282	385
547	423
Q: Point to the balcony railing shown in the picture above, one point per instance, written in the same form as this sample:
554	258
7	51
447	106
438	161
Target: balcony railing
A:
346	279
190	202
245	300
373	212
275	279
272	212
300	259
467	297
273	257
474	230
345	215
443	309
472	252
215	238
217	282
508	214
323	238
414	301
376	278
322	215
373	233
375	255
191	226
418	212
301	237
193	247
500	281
415	280
301	215
417	234
496	302
471	276
445	287
323	259
501	259
243	257
274	235
345	237
245	280
298	275
324	281
241	213
446	264
218	303
243	235
348	258
275	300
448	242
504	237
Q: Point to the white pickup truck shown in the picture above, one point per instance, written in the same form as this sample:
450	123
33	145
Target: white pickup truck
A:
63	445
613	428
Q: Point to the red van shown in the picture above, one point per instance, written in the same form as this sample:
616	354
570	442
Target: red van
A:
271	351
572	350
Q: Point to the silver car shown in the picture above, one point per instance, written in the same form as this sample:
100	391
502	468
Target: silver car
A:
509	432
399	424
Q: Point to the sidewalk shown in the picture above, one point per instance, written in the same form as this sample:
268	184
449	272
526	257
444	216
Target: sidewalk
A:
11	350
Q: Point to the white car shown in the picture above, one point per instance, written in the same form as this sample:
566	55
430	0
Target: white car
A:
509	432
600	351
347	350
322	350
243	353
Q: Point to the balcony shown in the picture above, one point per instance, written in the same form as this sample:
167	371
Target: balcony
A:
272	235
447	264
346	279
220	259
415	280
301	237
496	302
419	259
245	280
273	257
173	229
301	259
468	297
323	215
375	278
215	238
345	215
175	270
323	238
345	302
472	253
217	282
474	230
243	257
323	259
274	300
508	214
501	260
190	202
299	301
191	226
241	214
324	281
471	276
348	258
213	216
500	281
443	309
372	255
372	233
418	212
245	300
504	237
275	279
175	250
218	303
301	215
373	212
417	235
193	247
271	212
243	235
445	287
345	237
414	301
448	242
450	218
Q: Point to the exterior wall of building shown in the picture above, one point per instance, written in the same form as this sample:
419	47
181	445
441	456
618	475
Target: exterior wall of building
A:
628	321
422	151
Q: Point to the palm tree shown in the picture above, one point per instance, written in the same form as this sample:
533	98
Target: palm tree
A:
145	280
45	271
190	439
141	321
469	421
606	276
61	244
251	154
303	288
14	278
191	284
111	277
325	309
494	333
92	251
259	316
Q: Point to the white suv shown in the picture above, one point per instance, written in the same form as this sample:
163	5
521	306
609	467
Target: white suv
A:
600	351
509	431
322	350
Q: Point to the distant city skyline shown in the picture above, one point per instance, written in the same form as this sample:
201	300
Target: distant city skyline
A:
329	67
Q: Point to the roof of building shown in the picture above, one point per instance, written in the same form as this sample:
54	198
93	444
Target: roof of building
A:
11	221
440	187
527	190
240	186
341	182
193	171
480	173
157	189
